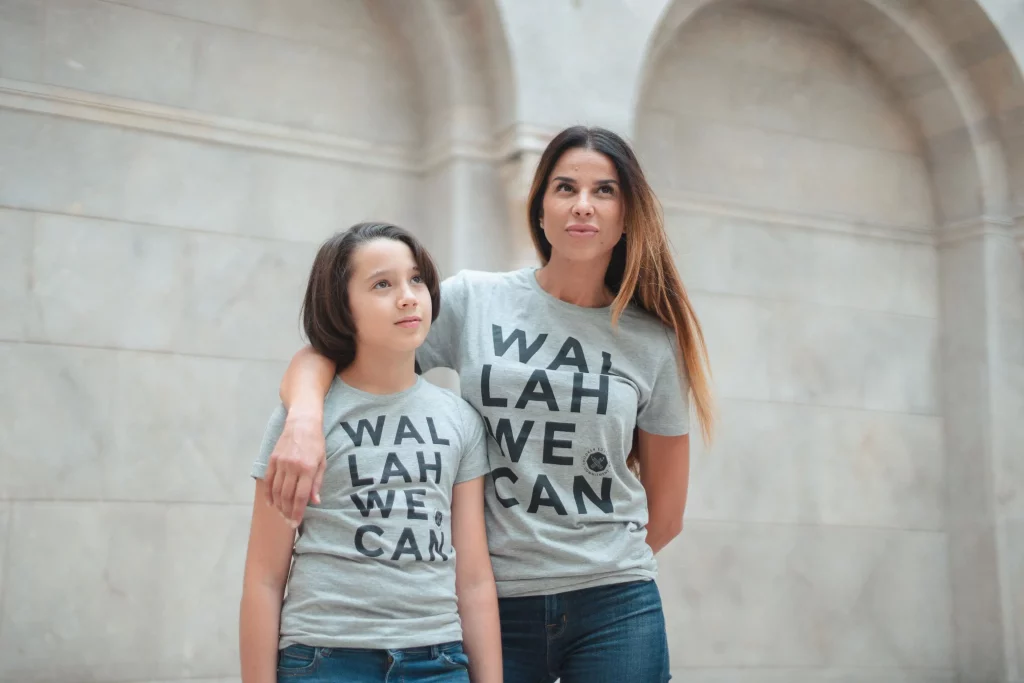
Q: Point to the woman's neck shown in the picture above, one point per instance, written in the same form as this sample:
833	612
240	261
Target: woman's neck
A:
576	282
381	371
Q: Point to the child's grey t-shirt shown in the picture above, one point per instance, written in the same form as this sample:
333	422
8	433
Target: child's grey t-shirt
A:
560	391
373	564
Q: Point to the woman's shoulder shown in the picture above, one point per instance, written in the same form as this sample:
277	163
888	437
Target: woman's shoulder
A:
645	324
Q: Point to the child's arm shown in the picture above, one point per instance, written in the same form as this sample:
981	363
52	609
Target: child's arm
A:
266	574
474	583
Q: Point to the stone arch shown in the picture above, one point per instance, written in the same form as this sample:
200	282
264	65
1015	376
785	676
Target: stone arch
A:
465	85
985	39
959	88
460	54
908	46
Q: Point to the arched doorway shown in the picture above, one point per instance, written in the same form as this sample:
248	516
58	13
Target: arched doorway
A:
832	182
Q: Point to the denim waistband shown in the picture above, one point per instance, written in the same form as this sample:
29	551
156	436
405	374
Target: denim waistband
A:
425	652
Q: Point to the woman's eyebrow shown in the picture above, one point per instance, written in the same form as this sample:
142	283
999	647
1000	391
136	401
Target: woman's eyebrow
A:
604	181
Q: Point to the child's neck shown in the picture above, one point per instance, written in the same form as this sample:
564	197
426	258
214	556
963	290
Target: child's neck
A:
380	371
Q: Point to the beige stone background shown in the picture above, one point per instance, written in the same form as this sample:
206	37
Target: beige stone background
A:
843	182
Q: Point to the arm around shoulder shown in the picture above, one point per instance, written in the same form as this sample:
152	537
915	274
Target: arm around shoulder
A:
296	466
306	381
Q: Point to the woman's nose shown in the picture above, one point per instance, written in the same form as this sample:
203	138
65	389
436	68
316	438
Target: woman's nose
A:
582	208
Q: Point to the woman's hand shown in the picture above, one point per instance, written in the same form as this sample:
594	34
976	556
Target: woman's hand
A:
296	467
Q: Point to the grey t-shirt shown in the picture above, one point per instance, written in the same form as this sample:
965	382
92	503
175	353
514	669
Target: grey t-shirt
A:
560	391
373	564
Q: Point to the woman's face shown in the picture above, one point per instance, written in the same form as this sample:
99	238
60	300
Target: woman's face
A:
583	210
389	301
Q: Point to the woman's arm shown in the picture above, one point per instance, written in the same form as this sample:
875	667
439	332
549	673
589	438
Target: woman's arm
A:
474	583
296	467
665	474
266	573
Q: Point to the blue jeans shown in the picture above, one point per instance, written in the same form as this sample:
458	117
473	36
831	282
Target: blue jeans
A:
445	663
609	634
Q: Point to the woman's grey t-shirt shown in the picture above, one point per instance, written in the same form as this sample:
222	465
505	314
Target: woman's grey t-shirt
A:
373	564
560	390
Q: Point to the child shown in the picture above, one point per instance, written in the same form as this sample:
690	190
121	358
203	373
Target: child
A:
399	528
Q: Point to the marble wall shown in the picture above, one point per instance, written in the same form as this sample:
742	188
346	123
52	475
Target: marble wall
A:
799	206
839	178
167	170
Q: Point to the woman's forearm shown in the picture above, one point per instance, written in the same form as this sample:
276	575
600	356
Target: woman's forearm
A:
660	532
258	632
296	467
305	384
665	514
665	475
478	609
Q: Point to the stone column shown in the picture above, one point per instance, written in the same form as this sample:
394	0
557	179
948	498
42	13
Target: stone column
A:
463	194
520	151
982	299
465	213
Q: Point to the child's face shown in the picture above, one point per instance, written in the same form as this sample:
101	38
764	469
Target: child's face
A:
390	304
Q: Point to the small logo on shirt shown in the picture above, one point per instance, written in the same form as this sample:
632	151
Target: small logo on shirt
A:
438	518
596	462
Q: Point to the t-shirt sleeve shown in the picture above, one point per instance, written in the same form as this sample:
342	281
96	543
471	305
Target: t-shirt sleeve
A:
440	349
473	462
270	436
666	409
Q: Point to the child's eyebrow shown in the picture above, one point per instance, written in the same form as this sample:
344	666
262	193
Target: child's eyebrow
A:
387	271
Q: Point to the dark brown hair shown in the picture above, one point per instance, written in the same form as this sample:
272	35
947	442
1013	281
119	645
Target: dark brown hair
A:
641	271
326	316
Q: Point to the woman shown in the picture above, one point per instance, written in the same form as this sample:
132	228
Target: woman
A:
583	370
371	594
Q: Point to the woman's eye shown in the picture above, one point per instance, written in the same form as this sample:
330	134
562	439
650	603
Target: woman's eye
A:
381	284
606	189
566	187
417	279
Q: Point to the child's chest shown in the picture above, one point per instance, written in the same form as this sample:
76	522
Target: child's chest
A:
391	456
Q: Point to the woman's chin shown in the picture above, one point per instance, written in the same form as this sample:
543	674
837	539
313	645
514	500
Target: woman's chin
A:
577	251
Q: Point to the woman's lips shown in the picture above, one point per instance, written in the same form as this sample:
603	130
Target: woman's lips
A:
582	230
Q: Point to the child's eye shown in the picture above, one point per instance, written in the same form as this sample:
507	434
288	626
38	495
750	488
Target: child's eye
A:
417	279
381	284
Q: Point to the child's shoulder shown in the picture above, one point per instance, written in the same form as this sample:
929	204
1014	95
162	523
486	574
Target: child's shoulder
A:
456	407
442	395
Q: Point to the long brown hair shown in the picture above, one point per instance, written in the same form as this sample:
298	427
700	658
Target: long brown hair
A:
641	270
326	316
